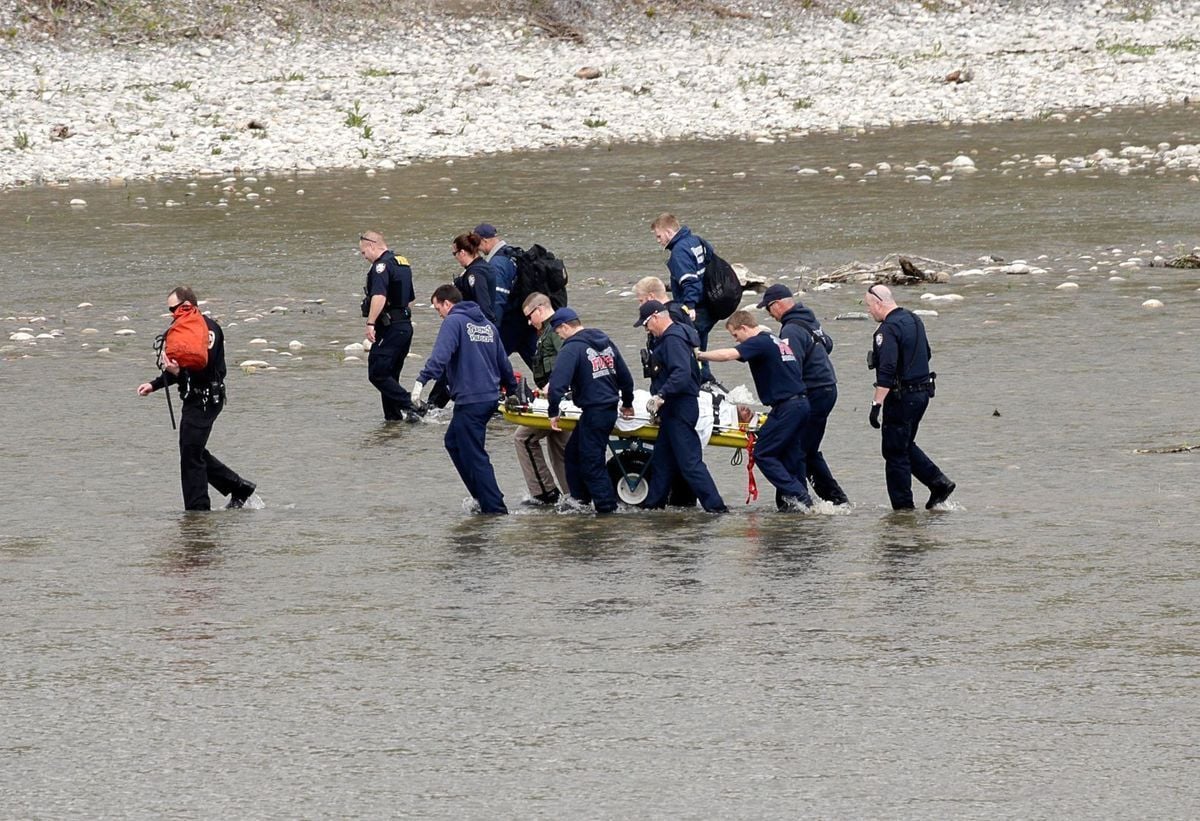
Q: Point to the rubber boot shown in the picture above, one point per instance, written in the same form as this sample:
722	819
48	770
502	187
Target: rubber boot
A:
939	491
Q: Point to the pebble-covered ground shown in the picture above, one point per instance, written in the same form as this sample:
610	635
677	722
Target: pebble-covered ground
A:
445	85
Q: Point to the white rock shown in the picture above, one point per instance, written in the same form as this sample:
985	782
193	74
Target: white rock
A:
84	305
925	312
961	162
258	340
971	272
1067	286
253	363
125	332
1152	303
296	345
78	203
351	359
354	347
826	286
20	336
279	309
1015	268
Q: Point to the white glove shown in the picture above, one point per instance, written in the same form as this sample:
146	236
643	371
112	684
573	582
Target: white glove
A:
653	404
417	388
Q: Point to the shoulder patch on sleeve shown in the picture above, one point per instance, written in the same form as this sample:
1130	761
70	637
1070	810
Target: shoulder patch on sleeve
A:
471	280
878	339
380	267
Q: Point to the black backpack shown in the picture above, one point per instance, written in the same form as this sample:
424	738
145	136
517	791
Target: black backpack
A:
538	271
722	288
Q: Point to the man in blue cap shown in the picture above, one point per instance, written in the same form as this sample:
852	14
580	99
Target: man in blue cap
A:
468	353
802	330
515	332
592	368
677	450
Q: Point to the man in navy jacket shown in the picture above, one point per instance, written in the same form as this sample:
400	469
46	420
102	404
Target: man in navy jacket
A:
592	368
468	353
676	387
803	331
687	262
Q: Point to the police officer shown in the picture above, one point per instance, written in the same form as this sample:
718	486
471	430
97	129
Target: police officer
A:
468	353
812	346
779	380
203	396
676	388
904	385
592	368
387	297
477	282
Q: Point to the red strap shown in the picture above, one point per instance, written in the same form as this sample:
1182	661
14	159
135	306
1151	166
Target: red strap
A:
751	483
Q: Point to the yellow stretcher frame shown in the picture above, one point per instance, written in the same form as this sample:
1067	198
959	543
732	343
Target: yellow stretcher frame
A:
647	433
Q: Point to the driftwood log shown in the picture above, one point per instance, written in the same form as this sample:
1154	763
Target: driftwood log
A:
893	269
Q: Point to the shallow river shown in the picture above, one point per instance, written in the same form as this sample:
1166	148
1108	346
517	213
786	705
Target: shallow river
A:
362	647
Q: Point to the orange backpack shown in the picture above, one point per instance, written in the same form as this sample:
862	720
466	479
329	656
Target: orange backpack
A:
187	338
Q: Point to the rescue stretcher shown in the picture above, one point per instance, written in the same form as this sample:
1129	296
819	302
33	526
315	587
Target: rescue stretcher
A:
632	440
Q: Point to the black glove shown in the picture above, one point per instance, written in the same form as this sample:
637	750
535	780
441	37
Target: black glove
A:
874	417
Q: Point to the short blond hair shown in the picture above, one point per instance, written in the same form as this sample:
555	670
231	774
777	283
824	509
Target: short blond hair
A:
741	319
650	287
665	221
535	300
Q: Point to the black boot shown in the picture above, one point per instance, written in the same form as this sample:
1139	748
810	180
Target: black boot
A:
939	491
238	498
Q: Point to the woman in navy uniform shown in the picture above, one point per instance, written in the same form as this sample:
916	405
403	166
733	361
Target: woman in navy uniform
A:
387	297
779	380
904	385
676	387
203	395
477	282
592	368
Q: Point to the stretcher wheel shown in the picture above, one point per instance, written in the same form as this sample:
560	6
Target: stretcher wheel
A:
635	464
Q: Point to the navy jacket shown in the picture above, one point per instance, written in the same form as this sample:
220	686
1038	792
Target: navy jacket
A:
801	328
468	351
193	385
506	279
775	366
592	367
901	350
686	264
675	355
477	283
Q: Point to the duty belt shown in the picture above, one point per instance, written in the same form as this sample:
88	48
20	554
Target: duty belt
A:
916	387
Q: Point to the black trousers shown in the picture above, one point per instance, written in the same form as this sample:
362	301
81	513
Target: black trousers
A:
197	467
384	363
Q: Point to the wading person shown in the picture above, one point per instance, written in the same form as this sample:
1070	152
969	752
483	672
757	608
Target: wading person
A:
676	388
540	479
904	385
591	367
387	297
687	261
202	391
468	353
779	380
477	282
800	327
515	332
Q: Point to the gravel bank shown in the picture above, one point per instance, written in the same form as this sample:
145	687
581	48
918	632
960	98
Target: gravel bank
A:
446	85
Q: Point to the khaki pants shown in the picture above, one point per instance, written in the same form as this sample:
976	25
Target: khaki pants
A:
538	477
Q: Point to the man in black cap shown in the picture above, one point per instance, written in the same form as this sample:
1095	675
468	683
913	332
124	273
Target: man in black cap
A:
802	330
677	450
515	333
591	367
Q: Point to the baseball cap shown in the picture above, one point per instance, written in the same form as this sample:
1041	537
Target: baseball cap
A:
774	294
562	315
485	230
649	308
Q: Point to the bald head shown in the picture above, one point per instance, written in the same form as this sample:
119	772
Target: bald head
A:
880	301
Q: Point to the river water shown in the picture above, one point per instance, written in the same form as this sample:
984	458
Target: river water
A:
360	646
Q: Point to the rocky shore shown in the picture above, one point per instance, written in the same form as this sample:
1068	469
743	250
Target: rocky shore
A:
445	85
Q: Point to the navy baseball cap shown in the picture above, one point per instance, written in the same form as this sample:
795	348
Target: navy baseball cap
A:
485	230
562	315
649	308
774	294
